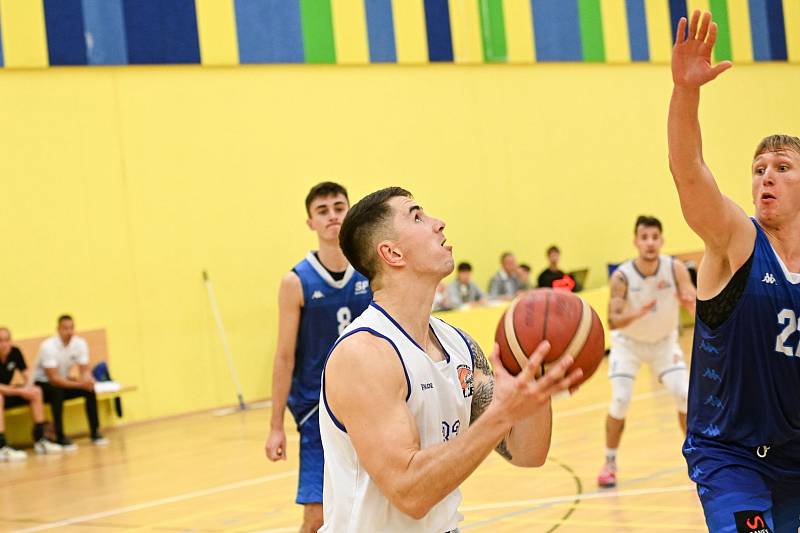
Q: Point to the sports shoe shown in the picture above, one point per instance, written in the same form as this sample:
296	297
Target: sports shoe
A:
8	454
608	476
44	446
99	440
66	444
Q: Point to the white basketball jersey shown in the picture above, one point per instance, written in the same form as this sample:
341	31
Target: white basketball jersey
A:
661	287
439	398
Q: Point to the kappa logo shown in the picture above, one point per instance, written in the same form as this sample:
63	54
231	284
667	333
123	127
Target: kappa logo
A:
466	380
769	279
317	295
362	287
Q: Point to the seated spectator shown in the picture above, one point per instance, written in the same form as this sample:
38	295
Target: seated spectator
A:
11	360
57	355
441	299
524	277
504	285
463	290
552	272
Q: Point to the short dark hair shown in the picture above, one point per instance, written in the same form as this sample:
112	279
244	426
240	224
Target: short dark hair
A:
62	318
504	255
464	267
323	190
647	222
361	226
526	267
553	248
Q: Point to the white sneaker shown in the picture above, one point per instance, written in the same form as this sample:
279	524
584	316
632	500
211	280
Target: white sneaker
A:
7	453
99	440
46	447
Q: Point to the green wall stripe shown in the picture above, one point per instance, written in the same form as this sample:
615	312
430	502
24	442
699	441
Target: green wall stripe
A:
722	50
493	31
317	22
591	23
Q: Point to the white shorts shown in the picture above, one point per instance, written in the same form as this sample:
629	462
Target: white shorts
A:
627	355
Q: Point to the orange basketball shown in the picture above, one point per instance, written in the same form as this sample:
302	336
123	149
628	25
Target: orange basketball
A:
560	317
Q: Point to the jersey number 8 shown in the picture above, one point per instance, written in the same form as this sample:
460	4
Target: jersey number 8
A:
344	316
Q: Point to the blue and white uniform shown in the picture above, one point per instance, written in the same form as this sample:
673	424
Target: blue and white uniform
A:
743	444
328	308
439	398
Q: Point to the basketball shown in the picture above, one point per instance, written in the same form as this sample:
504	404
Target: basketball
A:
560	317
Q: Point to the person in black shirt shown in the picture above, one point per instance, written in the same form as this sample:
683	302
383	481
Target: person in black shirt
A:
11	360
552	272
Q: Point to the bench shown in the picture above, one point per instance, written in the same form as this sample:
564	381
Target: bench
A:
98	352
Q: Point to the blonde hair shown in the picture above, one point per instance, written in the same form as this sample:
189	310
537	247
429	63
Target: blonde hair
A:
777	142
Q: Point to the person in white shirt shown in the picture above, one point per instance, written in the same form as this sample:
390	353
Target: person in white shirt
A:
57	355
409	406
643	312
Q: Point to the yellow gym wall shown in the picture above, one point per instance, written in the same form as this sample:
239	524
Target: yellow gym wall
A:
120	185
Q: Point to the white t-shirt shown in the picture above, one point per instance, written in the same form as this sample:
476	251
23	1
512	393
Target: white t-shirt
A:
53	354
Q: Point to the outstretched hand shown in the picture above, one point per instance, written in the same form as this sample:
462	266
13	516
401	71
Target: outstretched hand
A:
691	55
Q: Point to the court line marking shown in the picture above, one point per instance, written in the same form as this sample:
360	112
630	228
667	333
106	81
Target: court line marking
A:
573	497
156	503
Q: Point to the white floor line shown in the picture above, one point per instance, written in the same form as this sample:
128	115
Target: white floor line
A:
604	405
157	503
573	497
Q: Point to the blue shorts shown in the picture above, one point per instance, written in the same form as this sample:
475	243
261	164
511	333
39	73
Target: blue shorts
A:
743	492
312	460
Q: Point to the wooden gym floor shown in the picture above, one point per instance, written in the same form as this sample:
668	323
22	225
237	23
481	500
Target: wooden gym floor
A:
205	473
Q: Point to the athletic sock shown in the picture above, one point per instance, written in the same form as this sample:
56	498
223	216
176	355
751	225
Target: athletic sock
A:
38	431
611	455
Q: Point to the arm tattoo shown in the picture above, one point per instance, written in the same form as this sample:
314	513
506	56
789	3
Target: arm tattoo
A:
483	390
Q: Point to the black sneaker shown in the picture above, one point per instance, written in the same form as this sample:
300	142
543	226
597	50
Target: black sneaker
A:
66	444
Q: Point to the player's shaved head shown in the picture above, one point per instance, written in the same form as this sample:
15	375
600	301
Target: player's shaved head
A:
367	222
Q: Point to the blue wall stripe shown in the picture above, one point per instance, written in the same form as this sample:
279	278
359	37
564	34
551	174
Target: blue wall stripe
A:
437	23
677	9
161	31
269	31
777	30
2	60
66	43
759	30
105	32
557	30
637	30
380	31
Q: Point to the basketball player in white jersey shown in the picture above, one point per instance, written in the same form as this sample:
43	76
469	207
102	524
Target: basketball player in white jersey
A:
402	392
643	312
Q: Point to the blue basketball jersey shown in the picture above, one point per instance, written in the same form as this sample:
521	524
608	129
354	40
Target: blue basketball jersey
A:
328	307
745	374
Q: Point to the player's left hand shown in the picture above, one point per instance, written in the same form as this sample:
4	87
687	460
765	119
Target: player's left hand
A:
275	447
691	55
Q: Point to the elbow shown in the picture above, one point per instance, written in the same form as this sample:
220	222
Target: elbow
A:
532	460
412	505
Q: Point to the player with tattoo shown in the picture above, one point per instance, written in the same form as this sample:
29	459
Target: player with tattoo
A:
409	405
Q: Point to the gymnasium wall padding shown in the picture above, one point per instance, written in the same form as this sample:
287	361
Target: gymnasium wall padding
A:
121	185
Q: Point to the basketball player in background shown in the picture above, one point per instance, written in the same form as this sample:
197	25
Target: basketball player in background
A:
643	313
316	301
743	443
410	407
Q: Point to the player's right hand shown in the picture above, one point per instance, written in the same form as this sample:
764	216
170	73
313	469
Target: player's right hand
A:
275	446
518	397
691	55
646	308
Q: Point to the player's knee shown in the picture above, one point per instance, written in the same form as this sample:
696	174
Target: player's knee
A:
622	391
677	383
312	518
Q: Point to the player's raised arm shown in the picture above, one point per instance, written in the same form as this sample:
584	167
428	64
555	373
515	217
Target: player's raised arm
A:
415	479
714	217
